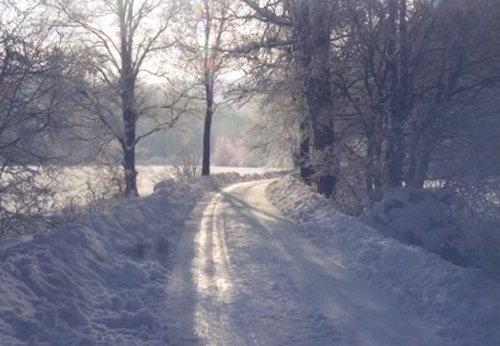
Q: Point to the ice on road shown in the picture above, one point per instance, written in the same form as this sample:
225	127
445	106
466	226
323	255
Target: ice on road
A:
244	277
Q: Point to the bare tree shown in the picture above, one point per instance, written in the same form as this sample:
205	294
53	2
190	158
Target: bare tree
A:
405	72
206	59
123	38
31	66
379	82
276	144
295	41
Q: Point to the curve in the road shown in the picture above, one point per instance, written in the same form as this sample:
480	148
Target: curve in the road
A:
245	276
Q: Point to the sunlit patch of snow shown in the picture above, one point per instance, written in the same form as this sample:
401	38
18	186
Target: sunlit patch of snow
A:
100	281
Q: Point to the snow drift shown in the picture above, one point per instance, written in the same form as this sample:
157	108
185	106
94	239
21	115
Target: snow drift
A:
462	302
100	281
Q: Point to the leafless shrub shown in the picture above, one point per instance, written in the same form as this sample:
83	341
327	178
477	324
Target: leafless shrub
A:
103	188
188	165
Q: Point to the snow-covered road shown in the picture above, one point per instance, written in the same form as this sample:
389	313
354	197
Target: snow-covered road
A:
244	277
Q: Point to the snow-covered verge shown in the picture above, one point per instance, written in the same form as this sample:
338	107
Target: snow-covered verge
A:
100	281
463	229
416	217
461	302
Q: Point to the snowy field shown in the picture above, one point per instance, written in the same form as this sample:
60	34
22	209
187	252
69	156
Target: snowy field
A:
74	180
106	279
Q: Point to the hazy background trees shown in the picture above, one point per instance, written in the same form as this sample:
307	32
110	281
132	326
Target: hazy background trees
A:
212	31
121	36
31	118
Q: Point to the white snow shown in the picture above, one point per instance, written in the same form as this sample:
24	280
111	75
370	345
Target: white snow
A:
75	180
246	276
459	226
145	273
100	281
462	304
412	216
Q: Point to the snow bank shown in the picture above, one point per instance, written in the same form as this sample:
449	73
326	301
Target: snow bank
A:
460	227
413	216
463	303
100	281
90	283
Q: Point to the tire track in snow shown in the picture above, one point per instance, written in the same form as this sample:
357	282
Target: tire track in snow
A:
211	276
249	279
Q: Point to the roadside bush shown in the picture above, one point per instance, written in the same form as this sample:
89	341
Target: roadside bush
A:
187	165
475	221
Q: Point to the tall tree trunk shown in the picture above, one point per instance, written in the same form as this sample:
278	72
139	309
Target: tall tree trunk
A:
127	92
419	158
399	89
373	178
209	93
128	143
302	62
313	31
393	164
304	159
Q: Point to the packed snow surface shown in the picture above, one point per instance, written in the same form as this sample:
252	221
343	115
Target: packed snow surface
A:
257	263
100	281
245	276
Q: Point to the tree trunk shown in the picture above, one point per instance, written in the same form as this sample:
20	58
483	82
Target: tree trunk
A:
399	107
373	178
323	136
205	170
420	154
411	173
423	169
395	155
304	160
127	93
130	172
313	32
128	143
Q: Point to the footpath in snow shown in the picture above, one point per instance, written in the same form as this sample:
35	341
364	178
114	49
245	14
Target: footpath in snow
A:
100	281
241	269
246	276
